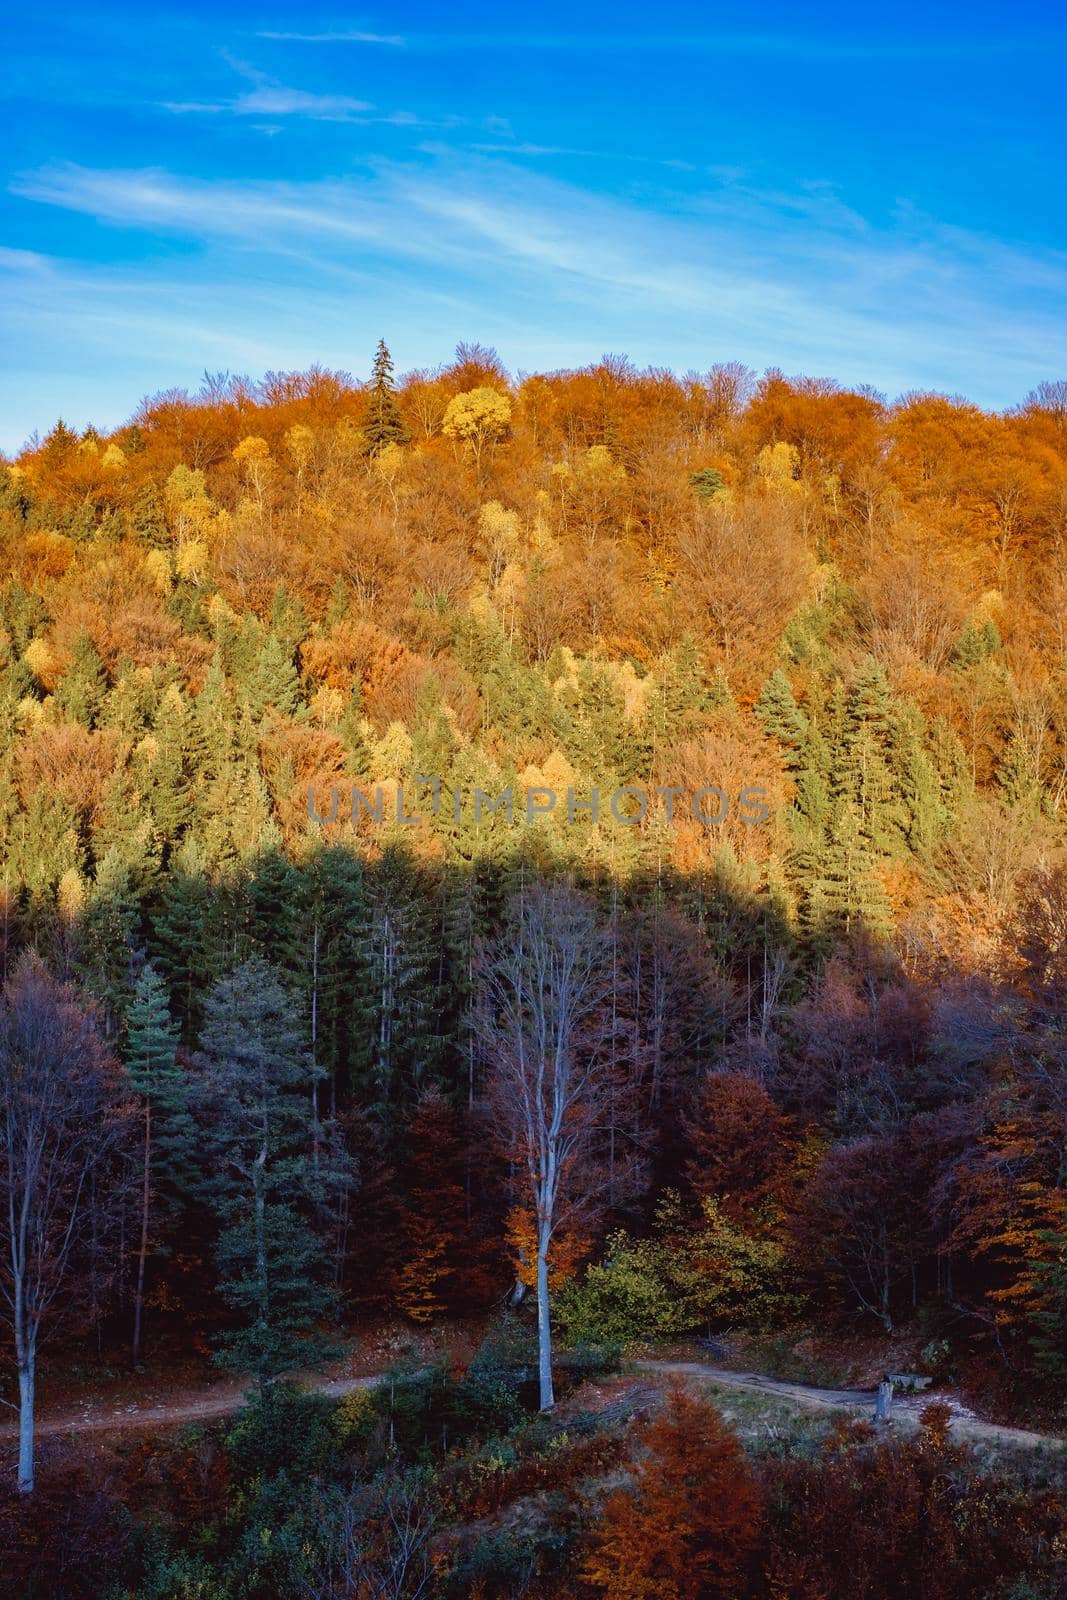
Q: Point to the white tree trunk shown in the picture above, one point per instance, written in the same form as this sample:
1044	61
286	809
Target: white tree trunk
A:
27	1375
544	1325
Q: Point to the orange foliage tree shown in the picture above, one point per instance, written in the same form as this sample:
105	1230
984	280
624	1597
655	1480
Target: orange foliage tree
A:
688	1527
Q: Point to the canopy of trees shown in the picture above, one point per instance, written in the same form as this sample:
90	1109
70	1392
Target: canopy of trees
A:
804	1061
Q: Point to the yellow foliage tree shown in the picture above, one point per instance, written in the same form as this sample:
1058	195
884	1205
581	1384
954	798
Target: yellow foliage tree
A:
40	658
157	567
476	419
500	530
185	496
253	458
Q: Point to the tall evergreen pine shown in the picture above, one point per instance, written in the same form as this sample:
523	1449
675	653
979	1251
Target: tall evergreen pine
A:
168	1134
382	422
264	1184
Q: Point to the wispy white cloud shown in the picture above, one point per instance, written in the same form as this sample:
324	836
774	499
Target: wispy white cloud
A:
443	247
274	100
343	36
524	148
269	98
277	101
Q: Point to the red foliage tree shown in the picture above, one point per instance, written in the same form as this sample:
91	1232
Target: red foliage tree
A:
688	1528
740	1142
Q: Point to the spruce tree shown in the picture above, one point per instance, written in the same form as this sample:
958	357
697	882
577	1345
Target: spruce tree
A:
124	834
850	892
975	645
863	773
382	421
187	934
397	999
338	607
80	692
274	683
272	914
357	756
264	1183
110	927
216	714
167	1137
782	718
130	702
917	781
45	843
433	738
1020	786
592	724
335	913
166	769
147	517
24	614
676	697
288	620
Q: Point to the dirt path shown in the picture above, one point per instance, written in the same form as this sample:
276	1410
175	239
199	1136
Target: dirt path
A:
221	1400
224	1398
905	1407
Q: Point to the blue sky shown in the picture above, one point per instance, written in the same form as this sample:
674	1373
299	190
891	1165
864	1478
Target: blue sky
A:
869	196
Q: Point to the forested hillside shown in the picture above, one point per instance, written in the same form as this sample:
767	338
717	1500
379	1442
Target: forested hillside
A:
790	1055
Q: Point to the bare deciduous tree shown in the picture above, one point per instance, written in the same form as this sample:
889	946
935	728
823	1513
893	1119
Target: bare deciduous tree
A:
546	1029
743	569
60	1126
381	1546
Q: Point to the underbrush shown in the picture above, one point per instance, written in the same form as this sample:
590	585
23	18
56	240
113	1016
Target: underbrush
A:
448	1484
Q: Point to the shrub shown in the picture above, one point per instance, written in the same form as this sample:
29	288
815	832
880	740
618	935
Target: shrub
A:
283	1430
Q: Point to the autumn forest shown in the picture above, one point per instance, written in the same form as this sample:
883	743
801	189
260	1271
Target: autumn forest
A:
409	1144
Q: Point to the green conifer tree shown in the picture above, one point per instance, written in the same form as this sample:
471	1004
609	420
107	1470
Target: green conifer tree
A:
383	423
335	913
338	607
357	755
396	1003
167	1131
45	844
79	695
187	934
850	894
288	620
783	719
917	781
272	916
148	518
129	703
264	1184
863	775
110	930
125	833
273	684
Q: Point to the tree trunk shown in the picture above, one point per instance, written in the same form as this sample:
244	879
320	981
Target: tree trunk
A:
27	1379
142	1253
544	1326
261	1246
884	1402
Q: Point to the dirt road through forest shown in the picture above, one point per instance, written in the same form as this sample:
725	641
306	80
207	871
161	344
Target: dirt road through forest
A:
224	1398
905	1407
